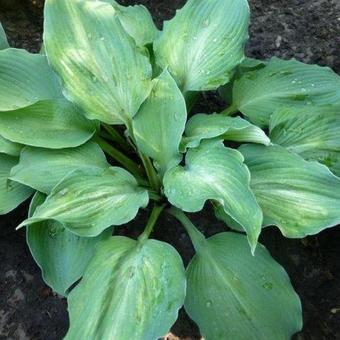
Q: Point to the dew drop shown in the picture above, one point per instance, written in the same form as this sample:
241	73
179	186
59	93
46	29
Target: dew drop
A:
63	192
208	304
206	22
267	285
52	233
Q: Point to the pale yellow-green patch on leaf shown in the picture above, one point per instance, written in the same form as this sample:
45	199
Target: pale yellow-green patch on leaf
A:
102	69
88	202
130	290
214	172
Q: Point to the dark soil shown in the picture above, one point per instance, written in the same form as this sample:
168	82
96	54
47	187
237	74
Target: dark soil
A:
305	29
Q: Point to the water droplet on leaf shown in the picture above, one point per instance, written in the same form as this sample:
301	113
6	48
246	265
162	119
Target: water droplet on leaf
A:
63	192
267	285
206	22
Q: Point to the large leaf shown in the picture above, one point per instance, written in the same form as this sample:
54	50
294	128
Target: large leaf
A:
102	69
233	295
25	78
204	43
283	83
247	65
159	125
129	291
203	126
61	255
89	202
214	172
137	22
301	198
42	169
313	133
9	148
3	38
11	193
51	124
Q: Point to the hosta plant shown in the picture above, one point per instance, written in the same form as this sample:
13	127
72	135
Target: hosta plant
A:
100	125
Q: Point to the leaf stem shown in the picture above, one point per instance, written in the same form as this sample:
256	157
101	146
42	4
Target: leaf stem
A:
230	111
150	172
154	196
149	169
197	238
128	163
117	137
156	211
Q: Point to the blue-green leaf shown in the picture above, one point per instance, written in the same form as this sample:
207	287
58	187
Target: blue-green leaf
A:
102	69
88	202
130	290
283	83
159	125
301	198
234	295
312	132
11	193
53	124
42	169
137	22
214	172
203	126
61	255
204	42
3	39
9	148
25	79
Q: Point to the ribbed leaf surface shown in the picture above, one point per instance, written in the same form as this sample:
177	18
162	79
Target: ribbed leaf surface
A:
313	133
102	69
129	291
42	169
283	83
214	172
301	198
204	42
234	295
203	126
89	202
